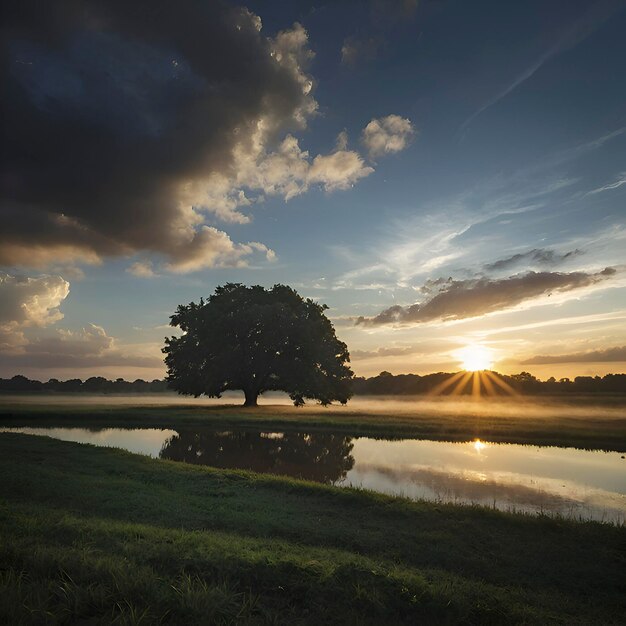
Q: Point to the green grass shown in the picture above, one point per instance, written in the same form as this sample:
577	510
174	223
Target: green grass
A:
100	535
581	422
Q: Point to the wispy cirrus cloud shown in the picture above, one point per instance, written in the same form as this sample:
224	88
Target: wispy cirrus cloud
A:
575	33
615	184
425	243
594	319
448	235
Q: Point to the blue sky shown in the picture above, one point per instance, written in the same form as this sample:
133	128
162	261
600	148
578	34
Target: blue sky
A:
465	181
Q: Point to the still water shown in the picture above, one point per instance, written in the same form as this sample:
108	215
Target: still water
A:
574	483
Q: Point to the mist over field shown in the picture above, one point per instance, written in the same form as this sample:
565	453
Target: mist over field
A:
588	407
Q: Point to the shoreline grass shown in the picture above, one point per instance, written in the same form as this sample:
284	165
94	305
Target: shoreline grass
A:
104	535
581	425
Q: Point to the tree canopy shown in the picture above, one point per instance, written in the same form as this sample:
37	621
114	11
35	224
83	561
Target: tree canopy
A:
256	340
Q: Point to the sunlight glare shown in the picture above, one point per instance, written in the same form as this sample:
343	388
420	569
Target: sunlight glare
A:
475	358
479	446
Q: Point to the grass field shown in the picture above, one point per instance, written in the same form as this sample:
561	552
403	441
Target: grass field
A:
101	535
583	422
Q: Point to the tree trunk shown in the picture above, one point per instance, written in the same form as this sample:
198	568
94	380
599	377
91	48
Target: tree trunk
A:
251	397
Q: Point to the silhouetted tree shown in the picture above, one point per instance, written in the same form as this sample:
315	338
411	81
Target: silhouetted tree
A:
72	385
257	340
21	383
96	384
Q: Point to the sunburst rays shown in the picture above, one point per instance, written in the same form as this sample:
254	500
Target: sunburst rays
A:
483	383
441	387
502	384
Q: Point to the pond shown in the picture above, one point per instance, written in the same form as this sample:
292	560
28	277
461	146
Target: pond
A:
579	484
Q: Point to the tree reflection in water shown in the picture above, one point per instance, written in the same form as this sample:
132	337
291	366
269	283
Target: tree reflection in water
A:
321	457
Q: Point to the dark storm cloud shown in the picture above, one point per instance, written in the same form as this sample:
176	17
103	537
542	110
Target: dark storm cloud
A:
610	355
538	256
461	299
113	110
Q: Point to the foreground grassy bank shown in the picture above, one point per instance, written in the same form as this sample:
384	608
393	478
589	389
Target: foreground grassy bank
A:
580	423
99	534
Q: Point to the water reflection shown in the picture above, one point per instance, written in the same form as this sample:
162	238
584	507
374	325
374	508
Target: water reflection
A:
324	458
566	481
146	441
533	479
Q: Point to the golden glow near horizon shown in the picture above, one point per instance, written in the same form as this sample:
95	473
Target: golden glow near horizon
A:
475	379
479	446
479	382
475	358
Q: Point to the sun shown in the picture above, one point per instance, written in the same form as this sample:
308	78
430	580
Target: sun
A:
479	446
475	358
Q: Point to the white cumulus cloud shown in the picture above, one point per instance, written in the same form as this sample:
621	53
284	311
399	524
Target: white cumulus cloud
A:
31	301
387	135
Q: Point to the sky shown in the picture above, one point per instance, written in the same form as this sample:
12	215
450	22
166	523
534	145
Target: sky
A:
448	177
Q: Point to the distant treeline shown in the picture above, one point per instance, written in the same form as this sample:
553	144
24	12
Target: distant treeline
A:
95	384
491	382
383	384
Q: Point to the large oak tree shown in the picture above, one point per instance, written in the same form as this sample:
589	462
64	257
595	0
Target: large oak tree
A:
256	340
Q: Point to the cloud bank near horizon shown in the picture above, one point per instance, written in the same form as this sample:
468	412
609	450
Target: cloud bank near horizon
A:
462	299
29	306
608	355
